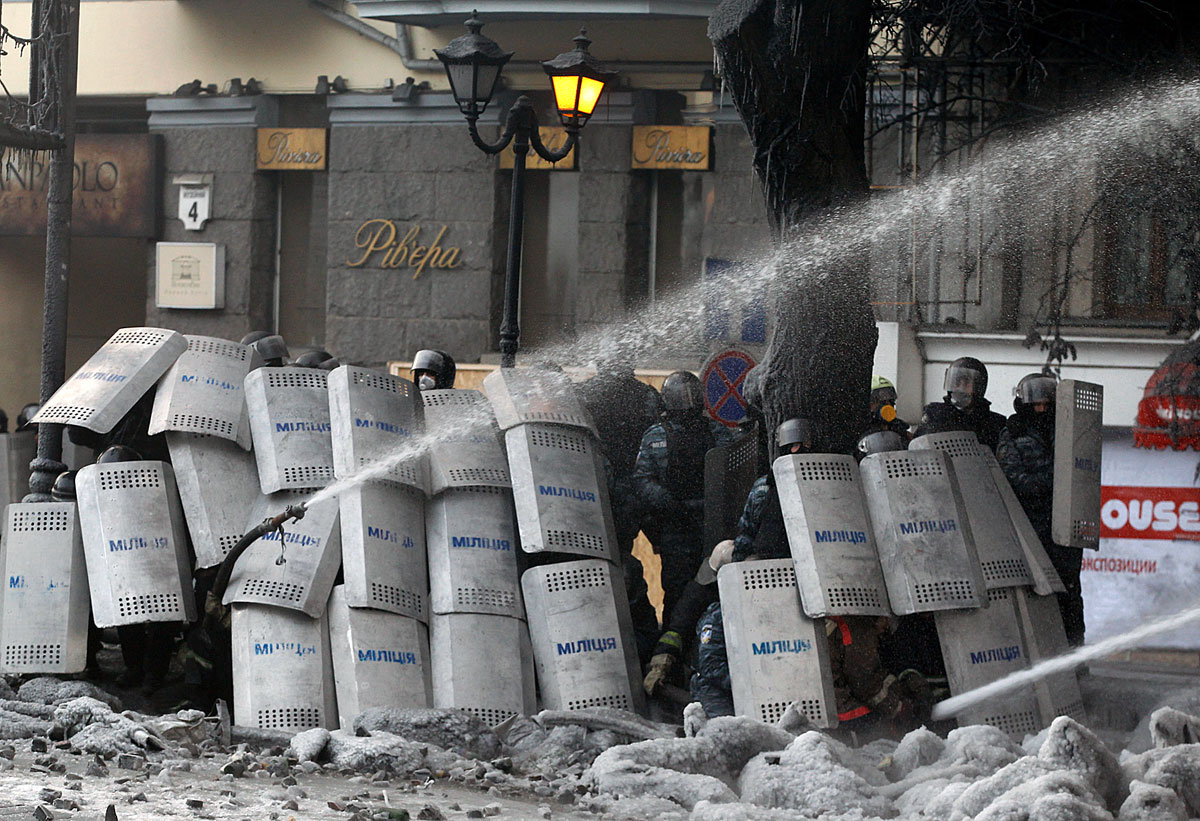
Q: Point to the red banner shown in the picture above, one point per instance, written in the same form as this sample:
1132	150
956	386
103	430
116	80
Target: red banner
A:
1150	513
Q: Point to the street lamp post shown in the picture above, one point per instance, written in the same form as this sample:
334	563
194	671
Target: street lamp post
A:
473	63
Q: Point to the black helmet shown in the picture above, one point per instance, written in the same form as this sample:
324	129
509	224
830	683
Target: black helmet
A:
880	441
27	413
312	359
681	391
796	431
64	487
118	453
3	421
330	364
438	364
1034	388
271	348
254	336
966	382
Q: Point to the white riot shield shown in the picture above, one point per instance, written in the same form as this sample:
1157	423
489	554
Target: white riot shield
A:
982	646
924	542
110	383
218	484
1045	577
777	655
560	491
282	670
1000	555
203	392
1044	637
294	569
289	423
17	450
833	548
379	659
473	552
466	450
729	473
524	395
375	416
44	624
135	544
482	664
1079	417
383	549
582	636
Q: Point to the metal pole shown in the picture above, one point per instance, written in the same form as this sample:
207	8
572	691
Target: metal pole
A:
510	325
48	464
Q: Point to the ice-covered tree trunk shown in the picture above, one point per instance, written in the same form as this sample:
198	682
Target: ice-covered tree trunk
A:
796	72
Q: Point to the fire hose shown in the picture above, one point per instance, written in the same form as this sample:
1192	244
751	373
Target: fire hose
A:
270	525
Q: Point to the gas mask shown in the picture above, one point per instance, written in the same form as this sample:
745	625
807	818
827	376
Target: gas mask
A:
426	382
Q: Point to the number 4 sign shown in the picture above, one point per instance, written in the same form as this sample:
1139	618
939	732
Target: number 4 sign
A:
194	205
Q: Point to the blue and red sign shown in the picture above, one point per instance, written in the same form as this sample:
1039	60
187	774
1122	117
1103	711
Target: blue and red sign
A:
722	380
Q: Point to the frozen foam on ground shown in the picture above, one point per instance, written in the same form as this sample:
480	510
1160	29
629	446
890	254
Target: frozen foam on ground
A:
378	751
983	745
737	739
47	690
1023	800
919	748
1178	768
983	792
814	775
93	728
1150	802
455	730
1071	746
639	809
683	770
1184	699
308	745
1169	727
19	725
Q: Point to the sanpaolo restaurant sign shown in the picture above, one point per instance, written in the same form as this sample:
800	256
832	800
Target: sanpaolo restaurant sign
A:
115	188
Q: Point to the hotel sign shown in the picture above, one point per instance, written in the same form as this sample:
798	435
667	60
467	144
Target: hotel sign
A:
677	147
115	188
291	149
554	138
383	244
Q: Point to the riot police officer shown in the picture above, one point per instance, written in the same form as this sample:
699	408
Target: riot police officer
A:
270	347
314	359
25	416
622	408
433	370
964	406
1026	454
668	477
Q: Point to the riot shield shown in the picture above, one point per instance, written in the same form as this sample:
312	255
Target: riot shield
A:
383	549
1045	577
110	383
534	395
203	392
218	484
466	451
560	492
17	450
44	621
375	416
379	659
777	655
293	568
289	423
982	646
729	471
1044	637
924	542
833	548
1075	520
282	670
134	543
473	552
482	664
582	636
1000	555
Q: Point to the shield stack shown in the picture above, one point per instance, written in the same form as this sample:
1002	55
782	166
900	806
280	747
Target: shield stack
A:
280	587
200	404
378	617
578	615
482	661
17	450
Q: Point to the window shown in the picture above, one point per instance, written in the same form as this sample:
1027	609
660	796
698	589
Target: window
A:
1150	260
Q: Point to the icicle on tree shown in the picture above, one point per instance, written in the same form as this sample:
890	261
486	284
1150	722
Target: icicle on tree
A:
796	71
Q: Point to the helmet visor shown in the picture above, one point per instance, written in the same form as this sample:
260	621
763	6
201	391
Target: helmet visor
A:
1036	389
965	385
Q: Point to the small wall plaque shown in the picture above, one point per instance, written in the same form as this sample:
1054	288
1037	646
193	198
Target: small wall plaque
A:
189	275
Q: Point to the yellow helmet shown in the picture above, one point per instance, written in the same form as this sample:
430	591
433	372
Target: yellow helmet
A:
878	382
